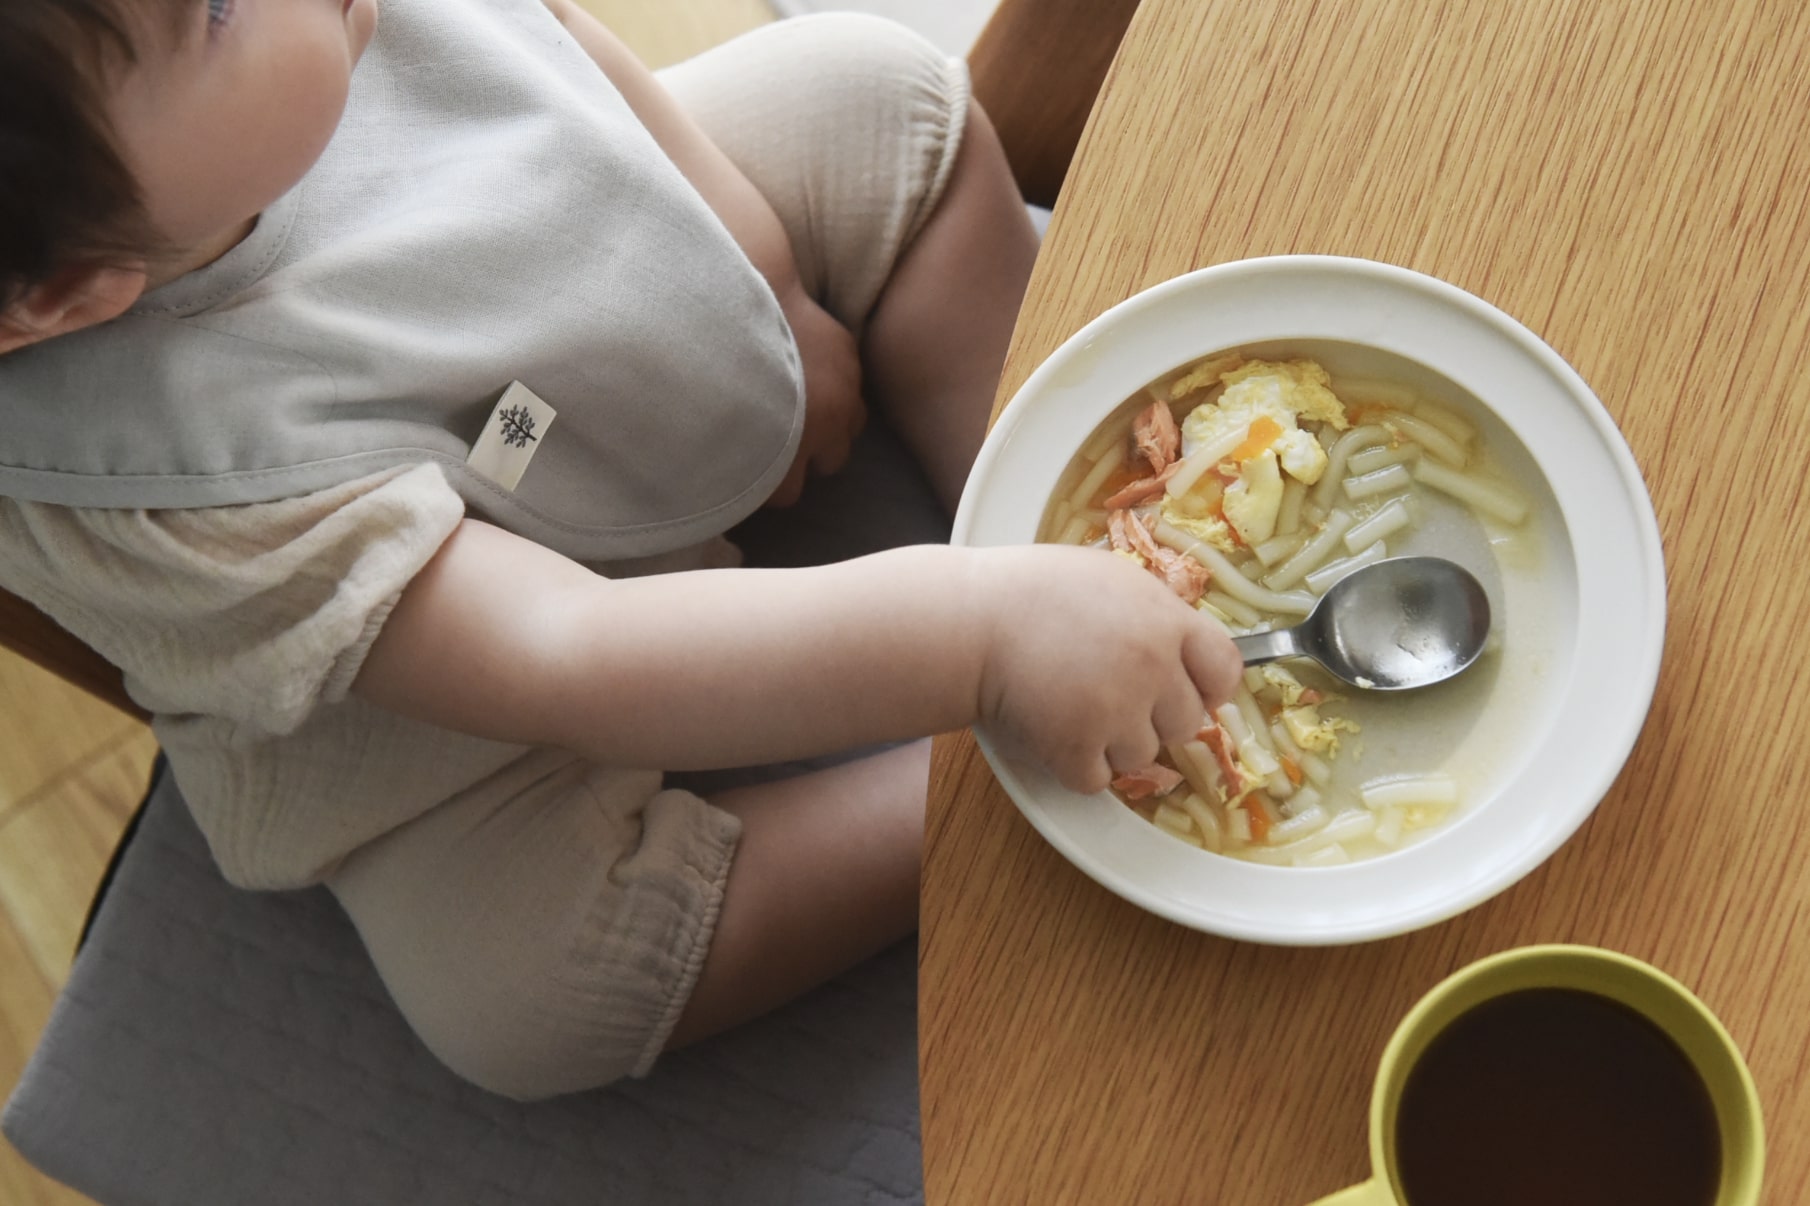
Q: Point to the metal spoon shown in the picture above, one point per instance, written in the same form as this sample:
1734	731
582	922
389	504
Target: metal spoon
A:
1391	626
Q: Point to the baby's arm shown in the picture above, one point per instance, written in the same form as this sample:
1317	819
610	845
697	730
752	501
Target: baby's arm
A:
1086	659
503	638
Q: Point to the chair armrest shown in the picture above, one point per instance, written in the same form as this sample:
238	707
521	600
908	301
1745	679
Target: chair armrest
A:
1037	67
38	639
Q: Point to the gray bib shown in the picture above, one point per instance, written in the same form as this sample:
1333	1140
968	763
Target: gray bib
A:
510	220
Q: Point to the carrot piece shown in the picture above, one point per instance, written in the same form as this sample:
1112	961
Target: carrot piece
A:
1292	769
1264	432
1260	820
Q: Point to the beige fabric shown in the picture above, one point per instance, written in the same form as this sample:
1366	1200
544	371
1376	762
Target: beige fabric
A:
540	921
241	630
826	115
251	614
542	932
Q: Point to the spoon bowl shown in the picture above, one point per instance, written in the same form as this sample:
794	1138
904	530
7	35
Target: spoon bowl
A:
1395	625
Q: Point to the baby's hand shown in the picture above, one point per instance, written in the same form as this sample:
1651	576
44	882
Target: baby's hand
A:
833	410
1093	664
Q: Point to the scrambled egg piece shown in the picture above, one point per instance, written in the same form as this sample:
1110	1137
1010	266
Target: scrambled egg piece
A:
1208	529
1204	375
1253	502
1283	392
1302	386
1311	732
1291	687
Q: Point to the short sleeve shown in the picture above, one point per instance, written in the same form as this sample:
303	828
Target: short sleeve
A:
254	614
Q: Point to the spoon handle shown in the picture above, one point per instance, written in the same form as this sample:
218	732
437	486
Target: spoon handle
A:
1260	647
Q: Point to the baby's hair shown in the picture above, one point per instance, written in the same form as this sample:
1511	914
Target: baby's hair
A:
66	195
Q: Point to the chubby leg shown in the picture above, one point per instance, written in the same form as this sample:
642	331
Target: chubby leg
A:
902	214
825	876
936	340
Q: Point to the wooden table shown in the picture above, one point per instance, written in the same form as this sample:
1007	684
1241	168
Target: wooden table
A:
1632	181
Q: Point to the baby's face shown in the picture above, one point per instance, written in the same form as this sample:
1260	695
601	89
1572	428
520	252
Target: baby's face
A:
221	121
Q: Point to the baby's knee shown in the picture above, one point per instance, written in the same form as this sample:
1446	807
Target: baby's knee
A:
530	1015
866	46
526	1037
879	80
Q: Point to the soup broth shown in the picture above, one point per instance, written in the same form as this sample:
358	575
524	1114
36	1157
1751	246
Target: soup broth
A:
1278	478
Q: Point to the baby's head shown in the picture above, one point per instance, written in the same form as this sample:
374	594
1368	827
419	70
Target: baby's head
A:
140	139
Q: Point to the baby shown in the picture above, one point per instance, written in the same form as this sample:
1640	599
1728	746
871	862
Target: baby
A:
378	395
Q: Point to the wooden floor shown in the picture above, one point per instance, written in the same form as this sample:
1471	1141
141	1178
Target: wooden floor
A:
71	769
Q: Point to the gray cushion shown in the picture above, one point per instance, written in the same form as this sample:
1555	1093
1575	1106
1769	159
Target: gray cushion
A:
214	1046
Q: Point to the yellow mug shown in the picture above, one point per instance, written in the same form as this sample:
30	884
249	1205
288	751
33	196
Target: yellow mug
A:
1646	991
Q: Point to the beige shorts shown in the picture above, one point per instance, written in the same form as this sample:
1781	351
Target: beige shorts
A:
848	125
543	931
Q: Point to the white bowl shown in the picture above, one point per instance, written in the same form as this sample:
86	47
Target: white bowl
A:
1584	621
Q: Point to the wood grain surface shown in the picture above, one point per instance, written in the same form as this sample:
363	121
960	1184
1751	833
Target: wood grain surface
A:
1631	181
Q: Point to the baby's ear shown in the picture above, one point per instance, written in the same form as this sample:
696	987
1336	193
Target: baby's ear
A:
76	297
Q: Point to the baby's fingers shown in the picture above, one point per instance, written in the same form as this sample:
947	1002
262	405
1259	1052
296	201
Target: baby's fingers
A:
1133	751
1085	773
1212	660
1179	714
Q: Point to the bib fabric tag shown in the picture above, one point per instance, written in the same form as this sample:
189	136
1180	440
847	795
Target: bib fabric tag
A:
512	436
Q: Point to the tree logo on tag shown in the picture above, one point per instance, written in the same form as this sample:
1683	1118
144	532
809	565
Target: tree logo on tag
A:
518	427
